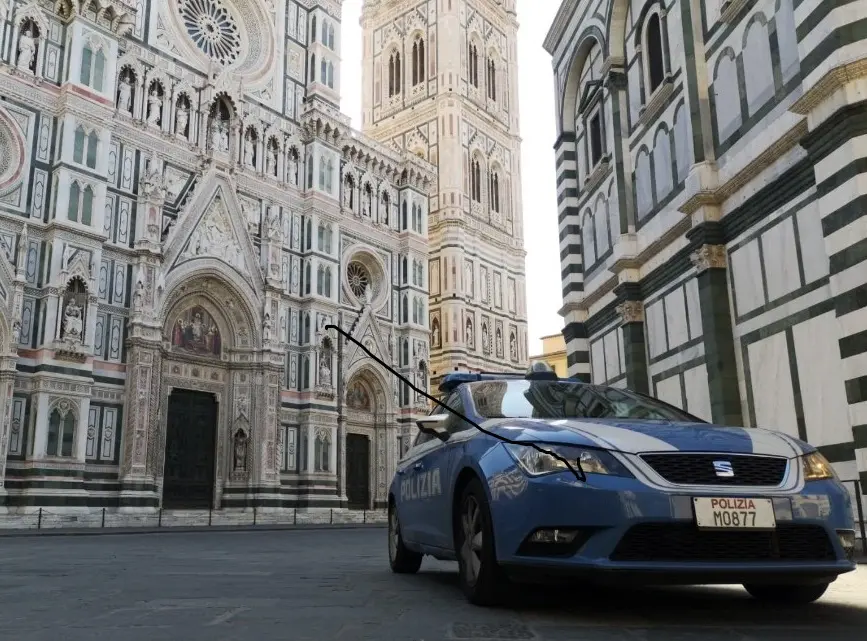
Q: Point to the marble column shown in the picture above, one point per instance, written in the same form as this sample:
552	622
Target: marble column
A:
709	259
631	312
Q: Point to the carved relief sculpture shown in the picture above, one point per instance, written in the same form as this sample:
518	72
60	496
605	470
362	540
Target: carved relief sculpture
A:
249	151
182	118
271	161
72	322
239	458
124	94
631	311
513	347
709	257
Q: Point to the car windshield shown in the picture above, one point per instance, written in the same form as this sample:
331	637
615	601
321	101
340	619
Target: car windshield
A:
561	399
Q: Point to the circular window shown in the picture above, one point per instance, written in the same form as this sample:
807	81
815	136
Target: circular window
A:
238	35
212	28
12	153
358	277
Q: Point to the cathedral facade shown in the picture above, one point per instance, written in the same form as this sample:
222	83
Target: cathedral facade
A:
440	82
183	210
710	178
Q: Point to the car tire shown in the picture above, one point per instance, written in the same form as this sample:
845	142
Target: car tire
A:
401	559
481	578
787	594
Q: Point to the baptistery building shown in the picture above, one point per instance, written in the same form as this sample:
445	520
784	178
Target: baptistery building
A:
183	211
710	179
440	81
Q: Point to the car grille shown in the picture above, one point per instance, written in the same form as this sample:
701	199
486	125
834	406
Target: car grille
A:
685	542
698	469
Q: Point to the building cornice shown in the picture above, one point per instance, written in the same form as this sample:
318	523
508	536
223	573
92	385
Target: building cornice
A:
558	27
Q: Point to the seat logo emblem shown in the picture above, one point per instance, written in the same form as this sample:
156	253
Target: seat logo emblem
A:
723	468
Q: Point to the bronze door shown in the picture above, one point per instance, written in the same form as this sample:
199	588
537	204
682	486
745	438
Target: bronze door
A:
191	431
357	471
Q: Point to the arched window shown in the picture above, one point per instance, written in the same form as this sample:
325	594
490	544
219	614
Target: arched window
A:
404	224
322	173
588	240
92	68
313	29
475	180
61	433
492	79
415	310
330	75
418	74
473	65
329	175
655	60
307	279
80	204
92	144
78	146
386	206
306	337
320	280
309	171
309	234
416	220
320	237
394	73
405	310
329	235
328	282
404	270
405	353
494	190
331	37
322	451
311	71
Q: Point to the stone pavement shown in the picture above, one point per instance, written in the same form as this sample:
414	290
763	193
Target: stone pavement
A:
319	585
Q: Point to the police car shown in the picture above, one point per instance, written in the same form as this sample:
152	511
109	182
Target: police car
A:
606	484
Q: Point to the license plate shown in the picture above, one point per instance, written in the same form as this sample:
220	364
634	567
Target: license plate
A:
734	513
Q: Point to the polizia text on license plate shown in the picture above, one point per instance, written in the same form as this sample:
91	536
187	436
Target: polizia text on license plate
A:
734	513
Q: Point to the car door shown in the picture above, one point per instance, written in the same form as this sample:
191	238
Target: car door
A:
440	500
429	476
409	510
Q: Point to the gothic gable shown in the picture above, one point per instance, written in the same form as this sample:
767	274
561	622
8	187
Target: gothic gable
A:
213	227
368	334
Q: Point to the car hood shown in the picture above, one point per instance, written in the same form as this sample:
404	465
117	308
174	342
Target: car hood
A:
636	436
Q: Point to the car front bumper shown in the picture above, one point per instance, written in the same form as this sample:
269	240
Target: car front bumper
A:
628	531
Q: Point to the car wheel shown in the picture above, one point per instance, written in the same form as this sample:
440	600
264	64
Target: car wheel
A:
482	580
787	594
401	558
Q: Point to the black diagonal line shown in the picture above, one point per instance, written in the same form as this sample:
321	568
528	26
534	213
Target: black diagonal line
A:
577	471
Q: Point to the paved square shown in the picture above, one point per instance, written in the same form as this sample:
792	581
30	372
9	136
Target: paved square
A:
317	585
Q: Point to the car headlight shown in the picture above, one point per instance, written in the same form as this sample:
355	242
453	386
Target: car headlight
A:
817	467
536	463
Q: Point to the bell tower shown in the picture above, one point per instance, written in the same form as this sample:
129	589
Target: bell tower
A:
440	80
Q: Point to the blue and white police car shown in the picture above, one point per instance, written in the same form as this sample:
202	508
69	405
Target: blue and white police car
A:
626	488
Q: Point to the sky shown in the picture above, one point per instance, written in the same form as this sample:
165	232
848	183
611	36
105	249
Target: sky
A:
538	132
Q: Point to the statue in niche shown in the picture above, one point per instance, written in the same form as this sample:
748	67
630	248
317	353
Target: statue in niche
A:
196	332
138	297
347	194
16	332
436	335
27	50
325	370
470	335
72	321
249	152
292	168
485	343
499	344
155	107
124	93
182	119
266	327
271	161
513	347
468	278
239	462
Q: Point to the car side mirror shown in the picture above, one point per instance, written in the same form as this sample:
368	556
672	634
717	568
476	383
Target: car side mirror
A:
435	425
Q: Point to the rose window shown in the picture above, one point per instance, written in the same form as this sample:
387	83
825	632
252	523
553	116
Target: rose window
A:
358	277
212	28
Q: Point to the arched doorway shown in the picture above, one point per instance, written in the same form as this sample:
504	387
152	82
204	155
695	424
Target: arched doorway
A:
366	440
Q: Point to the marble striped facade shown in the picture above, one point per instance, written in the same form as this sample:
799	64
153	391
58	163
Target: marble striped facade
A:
713	234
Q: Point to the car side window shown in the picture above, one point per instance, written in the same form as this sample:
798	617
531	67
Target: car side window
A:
455	423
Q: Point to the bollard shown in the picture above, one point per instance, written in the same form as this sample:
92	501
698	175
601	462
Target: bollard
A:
364	519
254	515
209	515
39	522
332	516
160	518
294	516
103	518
